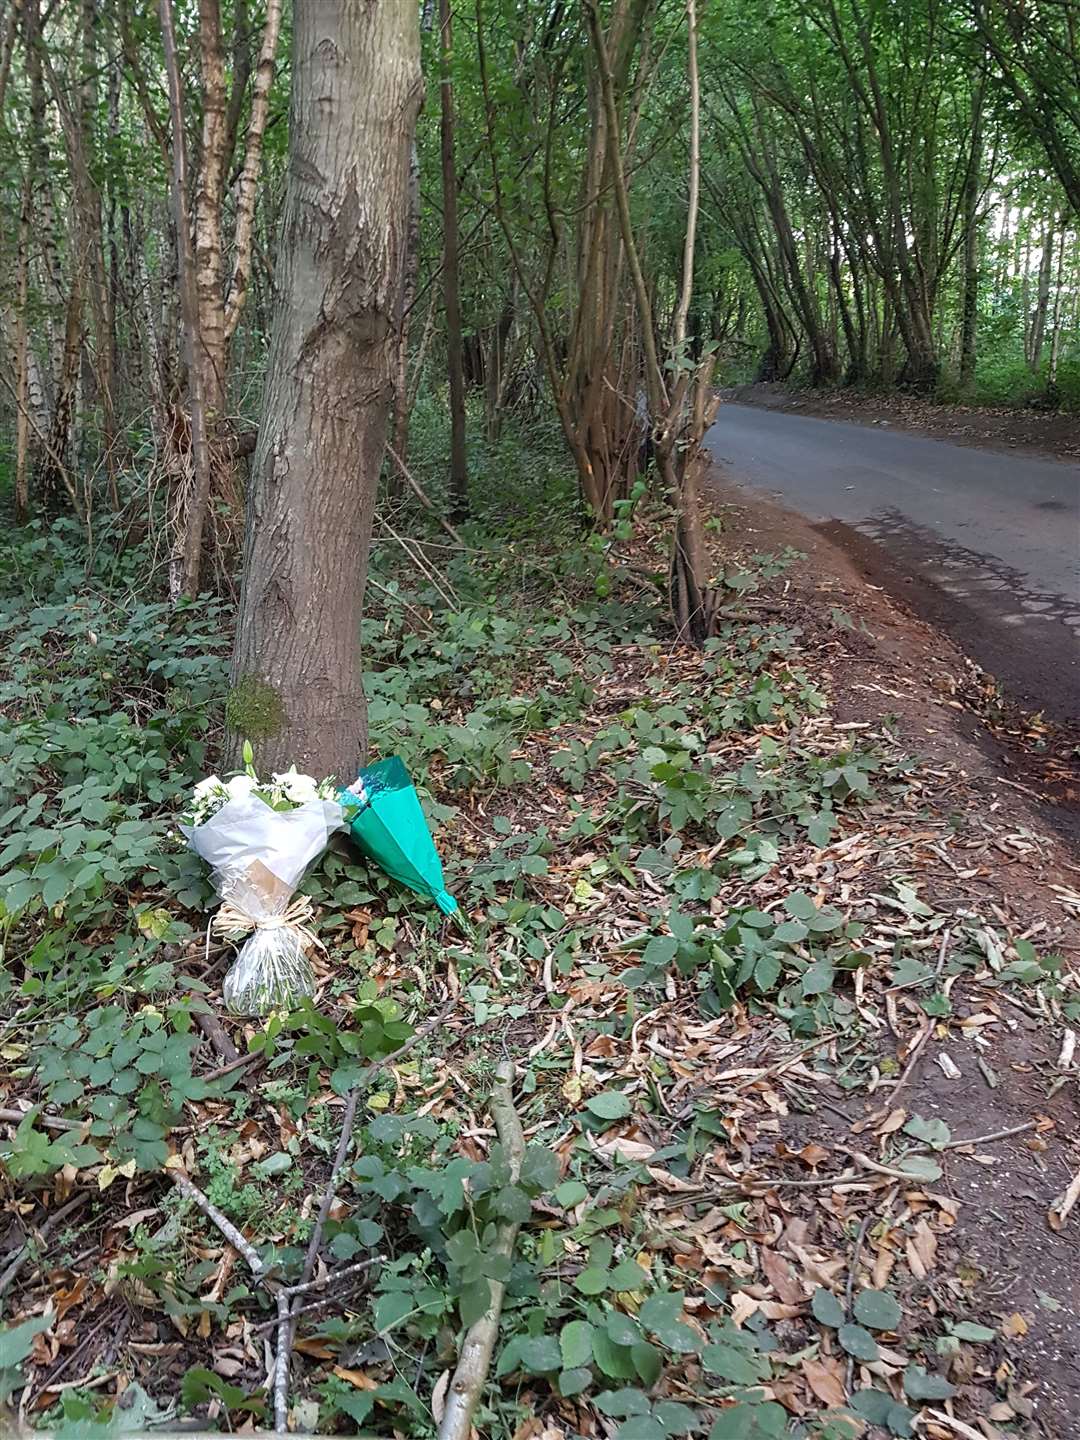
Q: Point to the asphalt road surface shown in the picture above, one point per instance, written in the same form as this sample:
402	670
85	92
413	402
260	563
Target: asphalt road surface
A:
985	543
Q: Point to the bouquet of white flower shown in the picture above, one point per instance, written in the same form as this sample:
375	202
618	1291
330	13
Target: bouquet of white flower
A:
259	837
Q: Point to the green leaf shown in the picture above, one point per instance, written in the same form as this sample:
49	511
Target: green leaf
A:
575	1344
920	1386
474	1300
827	1309
858	1342
540	1354
570	1194
593	1281
621	1328
609	1105
919	1167
16	1342
391	1309
767	972
877	1309
931	1132
615	1361
800	906
275	1164
539	1169
729	1364
573	1382
641	1427
647	1362
818	979
872	1405
661	1313
676	1418
620	1404
976	1334
627	1275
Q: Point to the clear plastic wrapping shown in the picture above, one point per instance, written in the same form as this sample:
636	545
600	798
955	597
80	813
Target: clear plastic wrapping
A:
257	856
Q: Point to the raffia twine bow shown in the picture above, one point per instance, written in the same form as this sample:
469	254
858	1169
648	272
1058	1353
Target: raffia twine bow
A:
231	921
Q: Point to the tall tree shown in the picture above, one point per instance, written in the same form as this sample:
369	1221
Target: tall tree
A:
459	476
297	688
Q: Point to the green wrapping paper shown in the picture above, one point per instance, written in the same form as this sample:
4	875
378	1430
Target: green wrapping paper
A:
390	829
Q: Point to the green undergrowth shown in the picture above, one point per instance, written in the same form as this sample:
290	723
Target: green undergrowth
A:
612	814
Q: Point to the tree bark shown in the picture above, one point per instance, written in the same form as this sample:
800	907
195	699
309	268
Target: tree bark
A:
297	690
402	397
969	305
1042	300
22	358
186	562
249	176
459	475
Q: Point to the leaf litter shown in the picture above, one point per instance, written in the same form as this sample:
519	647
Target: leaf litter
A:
745	959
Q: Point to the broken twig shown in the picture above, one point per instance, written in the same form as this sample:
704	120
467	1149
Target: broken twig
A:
474	1359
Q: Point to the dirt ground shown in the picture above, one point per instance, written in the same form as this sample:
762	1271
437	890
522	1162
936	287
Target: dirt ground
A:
1051	432
1023	838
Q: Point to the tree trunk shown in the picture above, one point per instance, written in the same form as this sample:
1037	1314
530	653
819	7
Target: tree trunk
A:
22	359
459	477
1042	301
186	562
297	690
402	398
969	305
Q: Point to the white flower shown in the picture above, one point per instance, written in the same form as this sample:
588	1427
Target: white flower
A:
205	788
240	787
297	788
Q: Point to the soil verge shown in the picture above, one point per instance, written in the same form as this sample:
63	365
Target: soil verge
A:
1012	796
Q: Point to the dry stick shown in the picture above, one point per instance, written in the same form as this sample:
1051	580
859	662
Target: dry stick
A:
42	1234
237	1064
187	1186
290	1315
415	554
474	1359
422	496
346	1137
913	1059
979	1139
51	1122
281	1364
784	1065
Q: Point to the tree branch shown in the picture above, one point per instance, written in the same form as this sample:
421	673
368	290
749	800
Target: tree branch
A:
474	1361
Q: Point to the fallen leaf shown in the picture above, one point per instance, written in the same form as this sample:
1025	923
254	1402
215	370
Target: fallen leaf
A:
438	1397
782	1277
315	1346
356	1377
1015	1326
921	1250
892	1122
824	1381
742	1307
66	1300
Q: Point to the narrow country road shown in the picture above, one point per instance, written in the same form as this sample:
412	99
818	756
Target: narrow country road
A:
985	544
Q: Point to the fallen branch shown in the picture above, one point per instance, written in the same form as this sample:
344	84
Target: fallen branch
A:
782	1066
474	1360
289	1317
347	1122
913	1059
1059	1211
422	496
43	1232
184	1183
